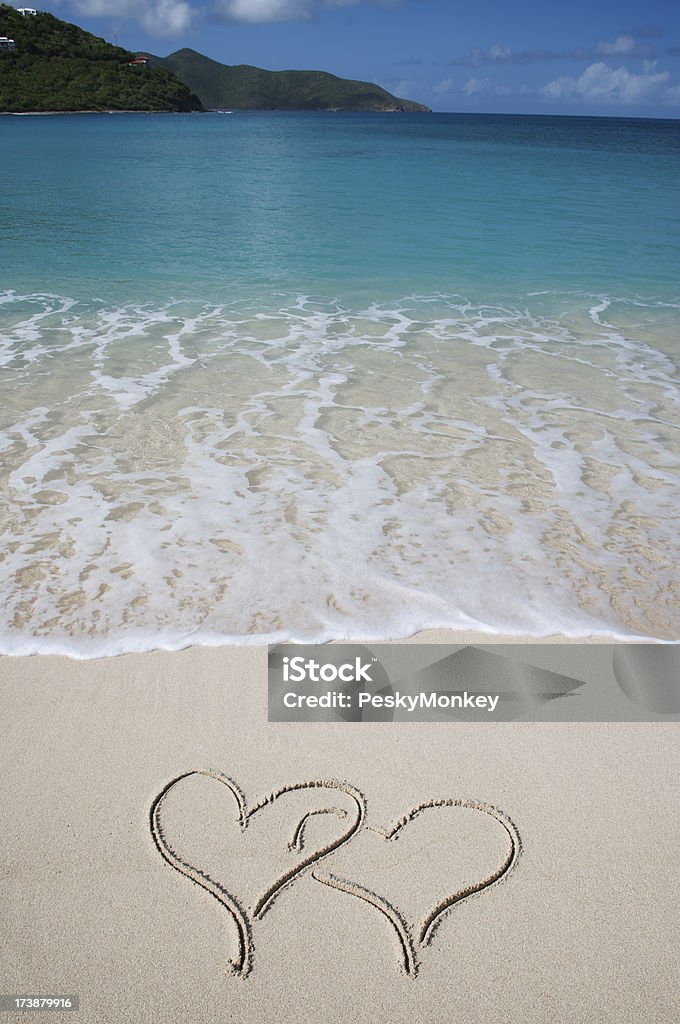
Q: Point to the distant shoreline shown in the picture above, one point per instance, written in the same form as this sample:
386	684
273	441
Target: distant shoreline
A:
52	113
213	110
306	110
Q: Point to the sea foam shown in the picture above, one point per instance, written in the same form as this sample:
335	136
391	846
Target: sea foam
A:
302	469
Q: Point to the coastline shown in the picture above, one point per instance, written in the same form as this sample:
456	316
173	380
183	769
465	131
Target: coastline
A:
217	110
313	466
50	113
181	644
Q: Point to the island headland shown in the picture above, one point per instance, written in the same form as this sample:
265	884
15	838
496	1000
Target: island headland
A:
49	65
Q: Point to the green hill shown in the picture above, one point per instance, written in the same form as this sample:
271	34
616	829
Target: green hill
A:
243	87
57	66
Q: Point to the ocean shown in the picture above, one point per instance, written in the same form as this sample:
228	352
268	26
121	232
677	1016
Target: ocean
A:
271	376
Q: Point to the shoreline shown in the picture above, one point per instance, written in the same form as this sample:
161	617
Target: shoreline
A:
424	636
50	113
539	531
275	110
455	826
218	110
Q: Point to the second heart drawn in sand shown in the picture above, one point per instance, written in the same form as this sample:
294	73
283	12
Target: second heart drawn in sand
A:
436	866
192	822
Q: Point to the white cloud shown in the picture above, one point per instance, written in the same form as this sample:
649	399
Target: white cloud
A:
173	16
626	44
476	86
495	54
405	87
159	17
600	81
485	87
443	87
267	10
261	11
620	46
100	8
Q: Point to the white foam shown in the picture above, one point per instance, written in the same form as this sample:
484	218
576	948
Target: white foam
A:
203	475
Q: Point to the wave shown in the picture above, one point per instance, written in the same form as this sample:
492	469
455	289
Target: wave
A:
302	468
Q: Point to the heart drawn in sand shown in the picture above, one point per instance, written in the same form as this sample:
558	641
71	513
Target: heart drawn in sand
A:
428	862
202	818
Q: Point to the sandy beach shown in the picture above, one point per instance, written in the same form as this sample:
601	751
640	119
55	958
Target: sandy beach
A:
582	925
314	376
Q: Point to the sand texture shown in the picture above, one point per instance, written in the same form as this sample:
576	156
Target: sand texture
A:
170	856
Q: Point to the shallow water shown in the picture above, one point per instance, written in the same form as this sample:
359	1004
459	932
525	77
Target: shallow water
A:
300	376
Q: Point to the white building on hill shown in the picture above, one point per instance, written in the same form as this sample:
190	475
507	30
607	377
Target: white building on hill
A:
26	10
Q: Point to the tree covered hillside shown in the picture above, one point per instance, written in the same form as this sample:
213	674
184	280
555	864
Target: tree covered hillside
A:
58	66
249	88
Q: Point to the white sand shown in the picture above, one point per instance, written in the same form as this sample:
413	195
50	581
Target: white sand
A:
583	928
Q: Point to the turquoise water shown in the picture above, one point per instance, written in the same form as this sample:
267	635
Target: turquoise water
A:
299	375
200	205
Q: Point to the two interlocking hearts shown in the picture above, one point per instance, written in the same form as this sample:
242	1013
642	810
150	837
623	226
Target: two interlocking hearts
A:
291	831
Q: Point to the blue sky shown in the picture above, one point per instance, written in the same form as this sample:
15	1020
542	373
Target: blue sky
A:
597	57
